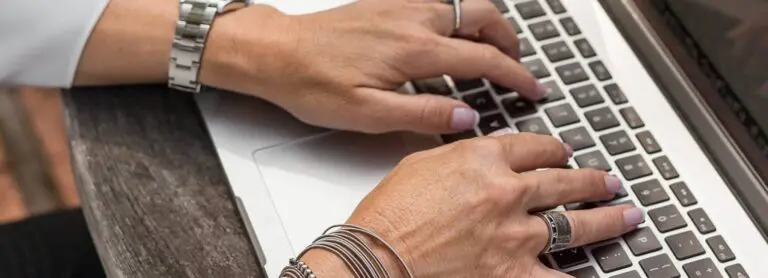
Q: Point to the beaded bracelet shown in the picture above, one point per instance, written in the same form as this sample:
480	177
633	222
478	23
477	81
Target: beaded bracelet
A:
351	249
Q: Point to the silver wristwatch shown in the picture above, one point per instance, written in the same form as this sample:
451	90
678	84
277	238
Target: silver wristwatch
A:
195	19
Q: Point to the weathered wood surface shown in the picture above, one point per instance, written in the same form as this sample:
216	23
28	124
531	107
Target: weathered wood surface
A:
152	188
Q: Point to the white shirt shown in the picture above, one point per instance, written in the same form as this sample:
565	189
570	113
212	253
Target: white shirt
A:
41	40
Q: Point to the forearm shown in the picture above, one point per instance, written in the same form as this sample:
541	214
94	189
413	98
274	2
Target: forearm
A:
130	44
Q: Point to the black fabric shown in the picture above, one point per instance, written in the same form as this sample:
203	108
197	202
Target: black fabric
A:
56	245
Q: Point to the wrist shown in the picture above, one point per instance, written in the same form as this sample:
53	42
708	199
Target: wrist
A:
243	49
326	264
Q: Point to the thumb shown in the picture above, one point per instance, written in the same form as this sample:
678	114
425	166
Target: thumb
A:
420	113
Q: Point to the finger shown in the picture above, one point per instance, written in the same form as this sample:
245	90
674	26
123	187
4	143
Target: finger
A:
554	187
390	111
467	60
545	272
593	225
529	151
481	17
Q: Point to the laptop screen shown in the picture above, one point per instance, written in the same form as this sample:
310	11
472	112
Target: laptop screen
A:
730	38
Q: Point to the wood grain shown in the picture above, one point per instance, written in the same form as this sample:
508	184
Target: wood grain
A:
152	189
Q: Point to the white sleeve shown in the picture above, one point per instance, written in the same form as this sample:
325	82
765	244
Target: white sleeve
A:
41	40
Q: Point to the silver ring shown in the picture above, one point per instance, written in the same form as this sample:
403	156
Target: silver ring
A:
560	234
456	13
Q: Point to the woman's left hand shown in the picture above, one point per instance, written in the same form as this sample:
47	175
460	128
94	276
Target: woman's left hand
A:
339	68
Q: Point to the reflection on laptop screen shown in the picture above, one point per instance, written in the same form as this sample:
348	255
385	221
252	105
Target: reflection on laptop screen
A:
730	39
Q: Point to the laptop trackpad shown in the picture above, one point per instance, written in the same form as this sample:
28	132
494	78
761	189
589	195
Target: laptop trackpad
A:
317	182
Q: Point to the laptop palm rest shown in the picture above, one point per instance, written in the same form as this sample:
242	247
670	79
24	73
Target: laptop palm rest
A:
318	181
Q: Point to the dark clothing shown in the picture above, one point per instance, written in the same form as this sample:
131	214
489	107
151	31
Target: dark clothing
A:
56	245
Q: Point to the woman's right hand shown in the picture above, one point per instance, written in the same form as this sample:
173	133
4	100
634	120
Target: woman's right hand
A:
465	209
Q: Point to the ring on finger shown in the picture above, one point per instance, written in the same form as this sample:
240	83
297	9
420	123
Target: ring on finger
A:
560	234
456	13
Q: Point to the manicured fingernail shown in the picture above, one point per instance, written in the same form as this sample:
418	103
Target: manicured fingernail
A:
501	132
464	118
541	91
568	149
634	216
612	184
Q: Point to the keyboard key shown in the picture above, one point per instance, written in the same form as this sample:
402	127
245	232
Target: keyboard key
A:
570	26
721	249
543	30
572	73
633	167
594	160
600	71
684	245
631	274
611	257
537	68
526	49
631	117
648	142
463	85
665	167
683	194
562	115
650	192
736	271
518	106
586	95
436	85
545	261
601	119
580	206
553	91
703	268
701	221
556	6
615	93
513	21
534	125
578	138
450	138
570	257
501	90
642	241
557	51
585	272
481	101
617	142
659	267
585	48
528	10
501	6
667	218
491	123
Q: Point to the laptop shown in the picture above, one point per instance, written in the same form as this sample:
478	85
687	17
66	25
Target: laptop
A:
679	118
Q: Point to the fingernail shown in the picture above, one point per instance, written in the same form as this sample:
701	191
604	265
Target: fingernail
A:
541	91
501	132
612	184
634	216
568	149
464	118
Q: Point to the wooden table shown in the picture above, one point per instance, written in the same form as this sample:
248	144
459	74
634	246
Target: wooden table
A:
152	188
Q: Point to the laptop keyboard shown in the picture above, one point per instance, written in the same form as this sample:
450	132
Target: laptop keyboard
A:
588	110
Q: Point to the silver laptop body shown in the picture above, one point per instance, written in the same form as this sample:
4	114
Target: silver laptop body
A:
292	181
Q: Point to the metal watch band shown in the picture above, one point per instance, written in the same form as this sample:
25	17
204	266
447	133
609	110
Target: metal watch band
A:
195	19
